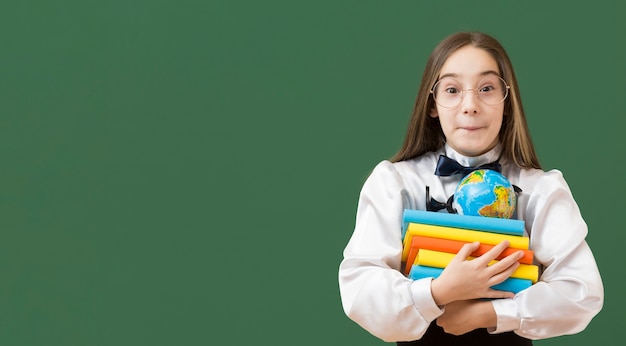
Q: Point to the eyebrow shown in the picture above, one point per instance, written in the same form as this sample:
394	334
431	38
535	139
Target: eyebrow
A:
484	73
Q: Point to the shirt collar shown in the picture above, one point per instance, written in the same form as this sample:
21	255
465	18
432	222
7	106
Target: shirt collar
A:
490	156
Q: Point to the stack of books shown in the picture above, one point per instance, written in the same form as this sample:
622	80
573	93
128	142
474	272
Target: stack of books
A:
431	239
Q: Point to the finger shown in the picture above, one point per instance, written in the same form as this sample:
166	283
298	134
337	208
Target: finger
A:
503	275
493	253
466	251
496	294
505	263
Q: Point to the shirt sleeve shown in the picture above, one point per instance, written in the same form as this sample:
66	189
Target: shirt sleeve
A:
569	292
374	293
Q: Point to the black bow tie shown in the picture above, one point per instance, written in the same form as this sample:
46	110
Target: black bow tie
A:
434	205
447	166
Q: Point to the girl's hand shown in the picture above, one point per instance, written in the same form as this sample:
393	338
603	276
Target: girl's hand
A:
466	279
463	316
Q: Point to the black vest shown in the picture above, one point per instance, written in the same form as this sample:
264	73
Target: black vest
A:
479	337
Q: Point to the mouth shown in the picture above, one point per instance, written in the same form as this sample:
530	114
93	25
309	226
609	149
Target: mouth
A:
470	128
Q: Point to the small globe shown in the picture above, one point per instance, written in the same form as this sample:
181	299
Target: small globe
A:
485	192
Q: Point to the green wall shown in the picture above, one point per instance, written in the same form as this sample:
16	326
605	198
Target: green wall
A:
186	172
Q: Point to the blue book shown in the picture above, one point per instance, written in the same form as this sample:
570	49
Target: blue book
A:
476	223
514	285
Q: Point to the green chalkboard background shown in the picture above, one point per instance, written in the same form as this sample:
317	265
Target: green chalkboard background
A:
186	172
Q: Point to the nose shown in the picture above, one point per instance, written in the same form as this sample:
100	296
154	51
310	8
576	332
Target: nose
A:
470	101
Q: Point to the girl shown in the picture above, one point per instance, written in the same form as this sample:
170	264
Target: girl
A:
468	108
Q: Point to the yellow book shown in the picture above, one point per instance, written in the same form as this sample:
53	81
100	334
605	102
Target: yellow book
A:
460	234
440	259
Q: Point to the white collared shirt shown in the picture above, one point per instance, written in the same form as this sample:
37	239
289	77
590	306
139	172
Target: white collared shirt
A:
377	296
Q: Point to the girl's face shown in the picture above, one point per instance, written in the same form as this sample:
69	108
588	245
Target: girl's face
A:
471	127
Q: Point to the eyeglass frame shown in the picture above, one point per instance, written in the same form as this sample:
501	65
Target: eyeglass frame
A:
474	91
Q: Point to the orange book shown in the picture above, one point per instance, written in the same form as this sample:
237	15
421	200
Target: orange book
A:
453	246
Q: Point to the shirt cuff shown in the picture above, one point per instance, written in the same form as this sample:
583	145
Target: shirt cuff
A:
507	316
423	299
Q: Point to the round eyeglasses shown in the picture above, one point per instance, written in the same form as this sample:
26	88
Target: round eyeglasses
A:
448	92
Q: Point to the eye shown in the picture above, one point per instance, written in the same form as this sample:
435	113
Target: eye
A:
486	88
491	84
447	87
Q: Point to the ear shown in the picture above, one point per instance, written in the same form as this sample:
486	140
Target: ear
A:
433	113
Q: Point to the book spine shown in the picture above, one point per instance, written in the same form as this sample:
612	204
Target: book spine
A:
439	259
480	223
453	246
511	284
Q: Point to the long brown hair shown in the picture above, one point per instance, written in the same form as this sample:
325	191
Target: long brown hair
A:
424	132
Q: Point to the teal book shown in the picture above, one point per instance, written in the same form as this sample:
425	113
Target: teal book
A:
477	223
514	285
